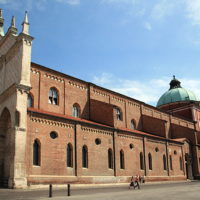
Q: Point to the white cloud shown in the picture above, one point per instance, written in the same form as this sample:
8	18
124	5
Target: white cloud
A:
39	4
148	91
193	11
162	9
192	85
70	2
120	1
105	78
5	1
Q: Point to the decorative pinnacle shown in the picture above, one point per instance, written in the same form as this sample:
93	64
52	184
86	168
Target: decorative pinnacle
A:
12	29
1	13
25	24
26	18
13	22
1	23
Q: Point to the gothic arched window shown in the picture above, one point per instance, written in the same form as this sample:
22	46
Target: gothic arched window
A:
118	114
150	161
85	157
110	159
170	161
164	162
132	124
36	153
181	163
76	110
53	96
30	101
141	161
122	165
69	155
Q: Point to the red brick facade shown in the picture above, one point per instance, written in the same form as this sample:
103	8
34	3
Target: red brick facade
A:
157	134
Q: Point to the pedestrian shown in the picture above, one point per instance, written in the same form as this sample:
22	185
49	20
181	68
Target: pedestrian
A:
131	183
136	182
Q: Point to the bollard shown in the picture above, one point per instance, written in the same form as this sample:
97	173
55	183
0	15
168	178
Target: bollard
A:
68	190
50	190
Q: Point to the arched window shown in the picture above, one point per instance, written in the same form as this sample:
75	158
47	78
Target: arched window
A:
76	110
110	159
181	163
36	153
85	157
53	96
141	161
118	114
69	155
132	124
122	165
30	101
164	162
170	161
150	161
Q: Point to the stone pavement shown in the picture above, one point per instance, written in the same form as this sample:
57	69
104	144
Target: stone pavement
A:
156	191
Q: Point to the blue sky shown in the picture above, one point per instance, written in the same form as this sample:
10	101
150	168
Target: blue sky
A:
131	46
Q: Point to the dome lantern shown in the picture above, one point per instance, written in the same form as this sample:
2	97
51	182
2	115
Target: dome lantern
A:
175	83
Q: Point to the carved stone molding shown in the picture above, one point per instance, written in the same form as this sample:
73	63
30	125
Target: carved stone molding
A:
51	122
23	88
93	130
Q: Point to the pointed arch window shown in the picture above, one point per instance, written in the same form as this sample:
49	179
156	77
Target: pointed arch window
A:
76	110
53	96
132	124
150	161
110	159
181	163
164	162
36	153
69	155
170	162
118	113
30	101
122	164
85	157
141	161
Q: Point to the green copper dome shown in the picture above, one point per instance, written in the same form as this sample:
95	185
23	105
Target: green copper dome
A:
176	94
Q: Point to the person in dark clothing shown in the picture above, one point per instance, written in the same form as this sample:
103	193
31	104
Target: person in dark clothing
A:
131	183
136	182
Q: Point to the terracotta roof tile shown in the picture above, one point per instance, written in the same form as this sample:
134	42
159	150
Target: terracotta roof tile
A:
102	125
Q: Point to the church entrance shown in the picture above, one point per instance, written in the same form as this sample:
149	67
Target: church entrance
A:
5	136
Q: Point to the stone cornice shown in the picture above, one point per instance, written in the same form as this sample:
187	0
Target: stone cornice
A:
10	90
25	36
23	88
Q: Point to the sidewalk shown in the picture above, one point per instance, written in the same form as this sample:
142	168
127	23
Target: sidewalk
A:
181	190
110	185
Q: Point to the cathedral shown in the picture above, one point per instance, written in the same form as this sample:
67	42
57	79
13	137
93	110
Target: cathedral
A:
55	128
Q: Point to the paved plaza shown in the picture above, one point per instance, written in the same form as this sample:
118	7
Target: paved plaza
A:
156	191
